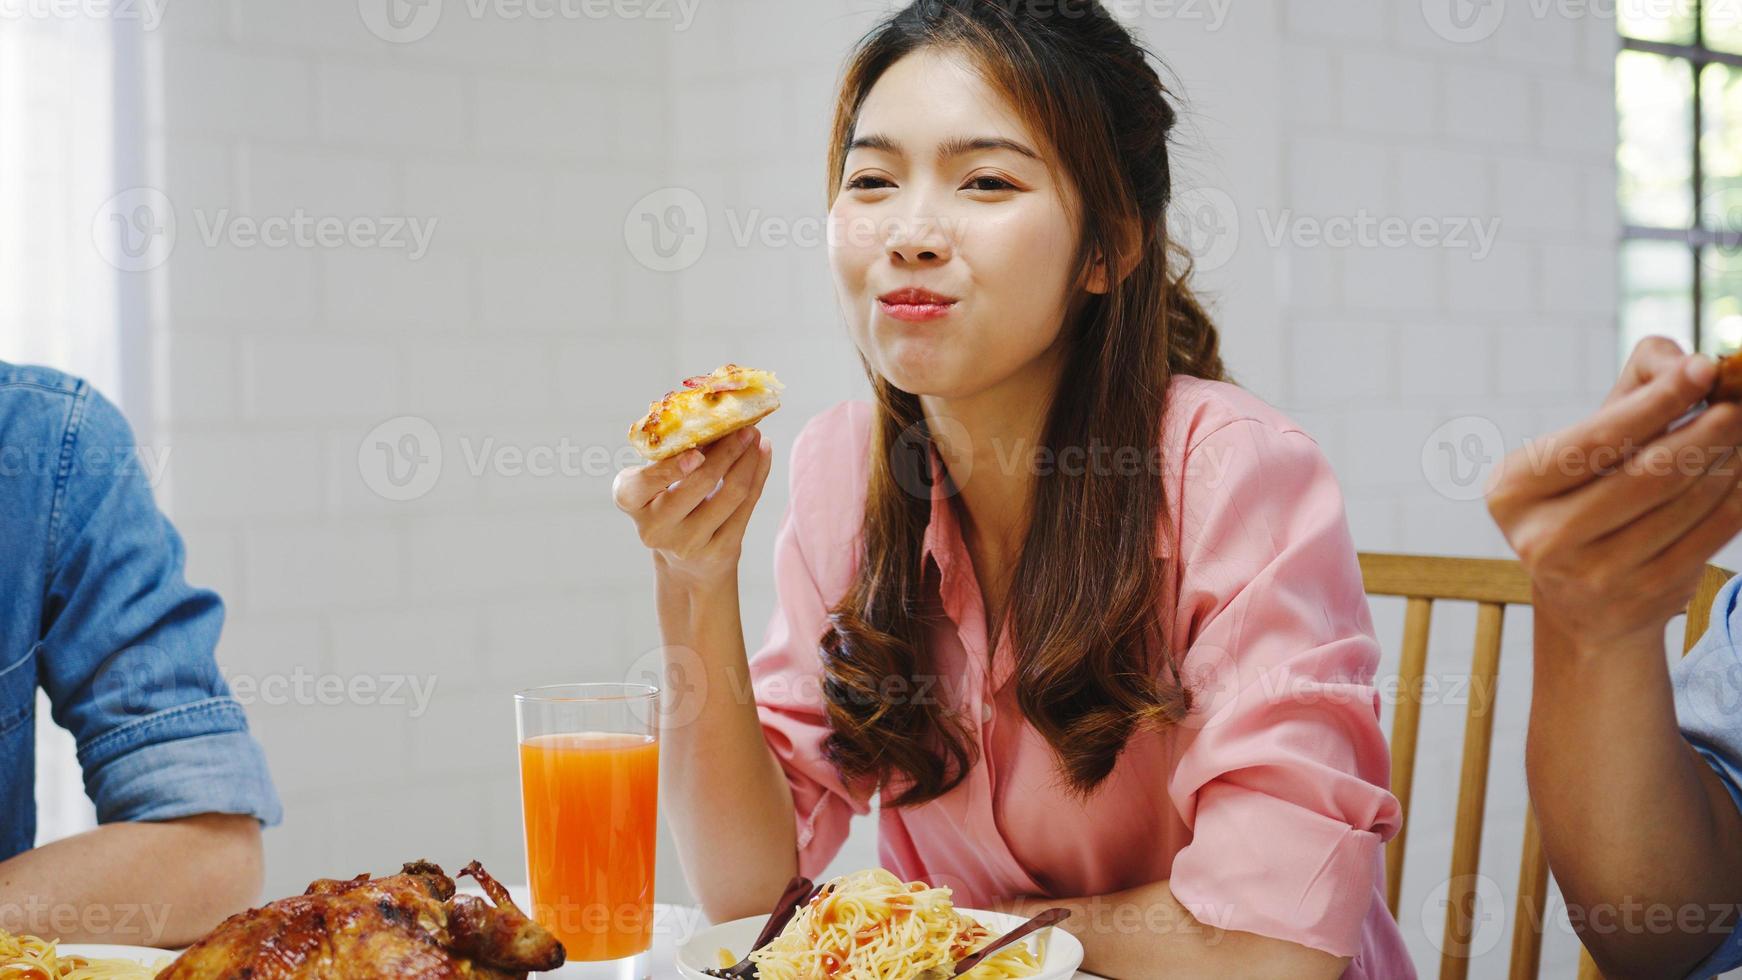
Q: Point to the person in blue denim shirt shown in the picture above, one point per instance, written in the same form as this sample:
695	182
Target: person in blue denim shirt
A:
1632	761
95	611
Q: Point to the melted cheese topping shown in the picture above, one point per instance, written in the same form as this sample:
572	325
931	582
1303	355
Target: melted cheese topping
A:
706	407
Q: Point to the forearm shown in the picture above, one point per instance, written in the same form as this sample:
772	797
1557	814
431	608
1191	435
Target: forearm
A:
1145	932
727	799
1633	820
150	884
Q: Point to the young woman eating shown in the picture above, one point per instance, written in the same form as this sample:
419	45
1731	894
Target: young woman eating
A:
1083	616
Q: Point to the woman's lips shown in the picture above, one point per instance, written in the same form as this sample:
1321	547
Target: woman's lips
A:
916	312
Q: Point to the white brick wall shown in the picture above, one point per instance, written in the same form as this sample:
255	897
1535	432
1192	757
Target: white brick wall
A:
529	323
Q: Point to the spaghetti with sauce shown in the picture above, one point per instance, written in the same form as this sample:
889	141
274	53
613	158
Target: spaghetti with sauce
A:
871	925
26	957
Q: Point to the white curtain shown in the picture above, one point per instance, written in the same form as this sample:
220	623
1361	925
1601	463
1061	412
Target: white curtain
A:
61	302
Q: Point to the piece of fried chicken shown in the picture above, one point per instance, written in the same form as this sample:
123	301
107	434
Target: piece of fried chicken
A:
404	925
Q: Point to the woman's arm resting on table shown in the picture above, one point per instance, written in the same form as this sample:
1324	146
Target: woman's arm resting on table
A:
139	884
1145	932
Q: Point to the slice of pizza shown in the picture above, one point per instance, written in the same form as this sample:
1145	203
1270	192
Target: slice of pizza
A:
707	407
1728	387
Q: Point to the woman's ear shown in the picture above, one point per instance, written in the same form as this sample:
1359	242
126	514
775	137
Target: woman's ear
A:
1098	280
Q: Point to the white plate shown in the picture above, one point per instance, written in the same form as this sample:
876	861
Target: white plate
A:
139	954
1063	952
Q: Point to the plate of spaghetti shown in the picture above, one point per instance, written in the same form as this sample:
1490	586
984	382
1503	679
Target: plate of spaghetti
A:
871	925
26	957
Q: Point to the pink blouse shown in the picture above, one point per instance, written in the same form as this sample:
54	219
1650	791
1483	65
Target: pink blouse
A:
1266	811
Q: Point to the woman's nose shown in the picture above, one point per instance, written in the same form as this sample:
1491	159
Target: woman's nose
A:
919	238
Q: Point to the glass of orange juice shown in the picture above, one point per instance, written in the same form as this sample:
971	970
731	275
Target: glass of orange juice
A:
589	788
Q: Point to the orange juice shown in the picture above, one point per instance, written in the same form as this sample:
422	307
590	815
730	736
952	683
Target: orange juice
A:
590	800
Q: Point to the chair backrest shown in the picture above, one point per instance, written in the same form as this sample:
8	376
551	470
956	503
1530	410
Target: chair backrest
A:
1493	584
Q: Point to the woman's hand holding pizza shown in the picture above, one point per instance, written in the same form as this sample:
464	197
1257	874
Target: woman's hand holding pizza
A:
709	463
691	509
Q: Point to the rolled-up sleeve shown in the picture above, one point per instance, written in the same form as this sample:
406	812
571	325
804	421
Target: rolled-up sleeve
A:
1708	690
127	648
1283	778
786	673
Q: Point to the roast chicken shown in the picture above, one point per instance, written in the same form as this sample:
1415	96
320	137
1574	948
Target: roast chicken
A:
405	925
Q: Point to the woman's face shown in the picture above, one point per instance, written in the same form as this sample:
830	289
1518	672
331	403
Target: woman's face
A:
944	195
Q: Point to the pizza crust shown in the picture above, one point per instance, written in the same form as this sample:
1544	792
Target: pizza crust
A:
707	407
1728	386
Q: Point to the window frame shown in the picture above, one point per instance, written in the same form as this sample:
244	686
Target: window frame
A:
1698	237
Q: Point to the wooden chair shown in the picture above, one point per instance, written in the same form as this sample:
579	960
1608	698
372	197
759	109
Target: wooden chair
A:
1493	584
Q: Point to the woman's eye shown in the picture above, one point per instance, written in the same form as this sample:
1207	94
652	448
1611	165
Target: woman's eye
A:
990	182
868	182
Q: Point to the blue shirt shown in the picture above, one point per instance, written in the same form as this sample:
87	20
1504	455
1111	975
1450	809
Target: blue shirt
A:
94	610
1708	705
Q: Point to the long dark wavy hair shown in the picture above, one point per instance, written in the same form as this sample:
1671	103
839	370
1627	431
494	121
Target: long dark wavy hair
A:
1087	593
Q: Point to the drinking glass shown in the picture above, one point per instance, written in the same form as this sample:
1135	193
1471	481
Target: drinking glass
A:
589	787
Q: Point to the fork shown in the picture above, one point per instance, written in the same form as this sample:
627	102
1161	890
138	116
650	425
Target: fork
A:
798	891
1046	918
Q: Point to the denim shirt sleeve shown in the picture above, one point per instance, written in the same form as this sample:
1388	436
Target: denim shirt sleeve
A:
126	655
1708	703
